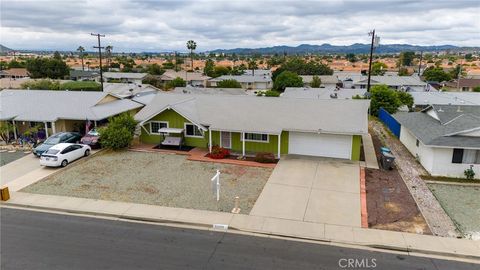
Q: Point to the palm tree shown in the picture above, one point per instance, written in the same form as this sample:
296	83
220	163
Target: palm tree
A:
80	51
108	50
252	64
191	45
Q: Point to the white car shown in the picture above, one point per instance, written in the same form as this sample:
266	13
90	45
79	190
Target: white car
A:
63	153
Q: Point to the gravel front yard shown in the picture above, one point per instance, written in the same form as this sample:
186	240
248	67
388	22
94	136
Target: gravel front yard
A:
156	178
462	204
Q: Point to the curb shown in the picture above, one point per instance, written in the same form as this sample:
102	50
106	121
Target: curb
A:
209	226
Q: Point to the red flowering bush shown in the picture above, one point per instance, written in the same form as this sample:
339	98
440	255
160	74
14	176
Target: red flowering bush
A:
219	152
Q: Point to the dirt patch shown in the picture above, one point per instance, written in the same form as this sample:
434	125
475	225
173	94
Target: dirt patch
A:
390	205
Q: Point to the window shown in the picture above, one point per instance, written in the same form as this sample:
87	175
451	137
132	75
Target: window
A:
192	130
256	137
156	125
465	89
466	156
417	143
34	124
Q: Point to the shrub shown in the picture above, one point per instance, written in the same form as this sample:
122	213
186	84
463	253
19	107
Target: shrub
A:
119	132
469	173
177	82
45	84
287	79
383	97
219	152
264	157
271	93
81	86
229	84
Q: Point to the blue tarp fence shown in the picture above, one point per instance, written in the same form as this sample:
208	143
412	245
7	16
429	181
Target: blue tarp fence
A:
390	122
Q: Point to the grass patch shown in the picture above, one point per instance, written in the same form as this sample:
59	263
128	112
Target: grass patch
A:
449	179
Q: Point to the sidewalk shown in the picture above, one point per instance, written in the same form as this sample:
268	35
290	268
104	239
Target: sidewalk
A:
452	247
369	152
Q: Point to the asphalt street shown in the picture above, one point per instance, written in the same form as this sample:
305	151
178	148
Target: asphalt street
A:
36	240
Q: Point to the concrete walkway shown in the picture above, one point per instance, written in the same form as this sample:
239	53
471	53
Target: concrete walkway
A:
319	190
18	168
451	247
369	152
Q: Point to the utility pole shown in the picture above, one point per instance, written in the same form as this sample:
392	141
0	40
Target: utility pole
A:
99	47
371	58
420	64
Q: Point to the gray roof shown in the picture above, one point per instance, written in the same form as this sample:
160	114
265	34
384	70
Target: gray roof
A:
443	125
127	89
209	91
243	78
446	98
190	76
322	93
326	79
264	114
124	75
391	80
48	106
262	72
84	73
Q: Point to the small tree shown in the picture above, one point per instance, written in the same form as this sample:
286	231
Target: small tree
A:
287	79
469	173
383	97
271	93
403	72
229	84
405	99
119	132
5	129
436	74
316	82
379	68
177	82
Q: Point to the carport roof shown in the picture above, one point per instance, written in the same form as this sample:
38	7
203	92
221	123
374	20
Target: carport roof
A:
48	106
263	114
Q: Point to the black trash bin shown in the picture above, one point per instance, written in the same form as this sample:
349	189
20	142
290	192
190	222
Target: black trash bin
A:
387	160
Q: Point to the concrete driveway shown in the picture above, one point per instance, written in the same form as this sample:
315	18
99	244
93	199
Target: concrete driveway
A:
320	190
18	168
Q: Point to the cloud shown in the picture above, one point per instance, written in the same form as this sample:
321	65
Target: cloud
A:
147	25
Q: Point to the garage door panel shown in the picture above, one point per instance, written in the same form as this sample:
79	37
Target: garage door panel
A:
326	145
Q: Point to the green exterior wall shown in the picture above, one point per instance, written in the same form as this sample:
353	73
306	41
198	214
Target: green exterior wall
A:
356	146
270	147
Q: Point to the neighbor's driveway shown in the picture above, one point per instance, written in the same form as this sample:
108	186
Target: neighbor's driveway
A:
18	168
320	190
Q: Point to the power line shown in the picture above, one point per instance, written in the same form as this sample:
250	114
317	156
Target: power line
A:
99	47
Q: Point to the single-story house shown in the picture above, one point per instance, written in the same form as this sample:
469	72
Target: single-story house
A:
124	77
208	91
192	78
327	80
84	75
247	82
249	124
425	99
328	92
14	73
258	72
57	111
464	85
444	138
404	83
124	90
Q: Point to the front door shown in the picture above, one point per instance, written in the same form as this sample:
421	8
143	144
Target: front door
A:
226	139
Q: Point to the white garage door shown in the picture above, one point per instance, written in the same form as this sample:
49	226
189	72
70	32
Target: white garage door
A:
325	145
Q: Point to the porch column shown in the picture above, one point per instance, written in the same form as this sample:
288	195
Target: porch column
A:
46	129
243	143
279	139
210	140
54	130
14	130
95	124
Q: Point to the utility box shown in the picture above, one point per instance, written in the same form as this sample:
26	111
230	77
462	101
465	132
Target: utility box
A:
387	160
4	194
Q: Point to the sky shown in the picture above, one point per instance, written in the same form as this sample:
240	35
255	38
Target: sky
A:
147	25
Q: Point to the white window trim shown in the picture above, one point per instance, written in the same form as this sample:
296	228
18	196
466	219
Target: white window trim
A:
259	141
191	136
157	133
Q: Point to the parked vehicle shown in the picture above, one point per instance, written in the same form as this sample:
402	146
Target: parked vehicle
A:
62	137
61	154
92	138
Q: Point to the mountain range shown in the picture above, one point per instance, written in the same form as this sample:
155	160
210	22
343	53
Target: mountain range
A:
356	48
4	49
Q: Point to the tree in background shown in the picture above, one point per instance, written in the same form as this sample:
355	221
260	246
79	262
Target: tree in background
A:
153	69
457	72
436	74
252	65
177	82
383	97
405	99
48	84
52	68
229	84
379	68
80	51
301	67
119	132
403	71
351	57
108	52
316	82
56	55
208	70
191	45
406	58
16	64
287	79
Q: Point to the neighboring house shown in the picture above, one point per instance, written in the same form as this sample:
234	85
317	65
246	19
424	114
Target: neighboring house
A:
14	73
124	90
248	124
208	91
59	111
473	74
327	80
425	99
402	83
124	77
328	92
258	72
192	78
464	85
247	82
84	75
444	138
